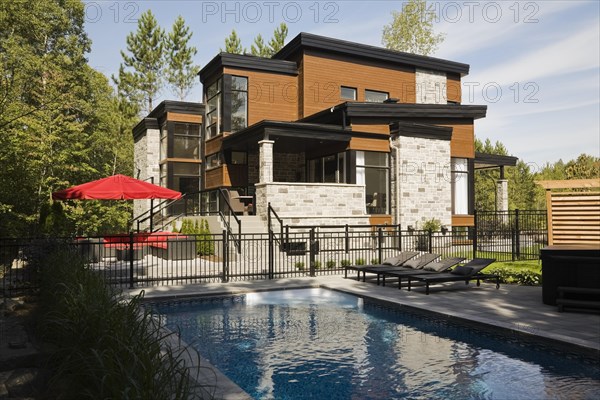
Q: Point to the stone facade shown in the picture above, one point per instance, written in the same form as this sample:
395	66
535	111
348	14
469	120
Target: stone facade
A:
431	87
424	179
307	203
501	195
265	161
146	153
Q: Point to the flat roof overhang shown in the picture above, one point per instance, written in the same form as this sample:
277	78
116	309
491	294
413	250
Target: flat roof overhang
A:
486	161
294	137
390	112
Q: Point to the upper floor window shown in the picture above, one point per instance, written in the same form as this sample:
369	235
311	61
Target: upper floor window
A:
186	141
375	96
213	122
239	103
348	93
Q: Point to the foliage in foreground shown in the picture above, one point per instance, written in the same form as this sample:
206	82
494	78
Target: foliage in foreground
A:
103	347
520	273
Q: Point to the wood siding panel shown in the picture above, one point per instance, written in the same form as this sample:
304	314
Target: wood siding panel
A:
453	88
380	220
323	74
463	220
462	144
574	218
213	145
383	129
178	117
216	178
368	144
270	96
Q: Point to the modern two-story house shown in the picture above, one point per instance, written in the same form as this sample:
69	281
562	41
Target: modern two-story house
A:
326	131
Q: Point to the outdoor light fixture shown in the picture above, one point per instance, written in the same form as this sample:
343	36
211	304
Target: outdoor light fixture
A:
444	230
411	228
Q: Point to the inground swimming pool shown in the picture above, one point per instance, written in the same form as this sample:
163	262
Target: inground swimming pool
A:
322	344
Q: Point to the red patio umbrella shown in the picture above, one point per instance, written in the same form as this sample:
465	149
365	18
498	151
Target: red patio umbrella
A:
116	187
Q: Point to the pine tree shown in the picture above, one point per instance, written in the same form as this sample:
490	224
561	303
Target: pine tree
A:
145	58
259	48
233	44
181	70
411	30
278	40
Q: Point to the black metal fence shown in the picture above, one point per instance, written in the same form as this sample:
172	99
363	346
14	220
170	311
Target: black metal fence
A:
159	259
511	235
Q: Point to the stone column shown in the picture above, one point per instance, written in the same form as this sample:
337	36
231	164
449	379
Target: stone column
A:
502	195
265	161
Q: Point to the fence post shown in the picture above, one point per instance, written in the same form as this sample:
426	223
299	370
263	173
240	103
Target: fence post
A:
312	250
346	239
380	244
271	253
130	251
399	235
225	277
518	235
475	233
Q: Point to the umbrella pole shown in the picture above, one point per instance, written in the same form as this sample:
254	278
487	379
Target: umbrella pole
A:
151	215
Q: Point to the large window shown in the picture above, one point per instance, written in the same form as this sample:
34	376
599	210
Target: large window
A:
214	161
213	109
328	169
374	96
239	103
372	170
186	141
460	186
164	142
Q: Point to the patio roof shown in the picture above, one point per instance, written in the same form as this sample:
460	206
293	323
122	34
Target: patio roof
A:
485	161
294	136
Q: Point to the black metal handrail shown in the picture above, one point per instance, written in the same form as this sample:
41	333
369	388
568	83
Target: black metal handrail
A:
149	214
224	195
271	210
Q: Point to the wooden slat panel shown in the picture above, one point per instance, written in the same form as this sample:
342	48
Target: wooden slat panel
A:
382	129
463	220
368	144
380	220
574	217
453	88
215	178
271	96
213	145
178	117
324	73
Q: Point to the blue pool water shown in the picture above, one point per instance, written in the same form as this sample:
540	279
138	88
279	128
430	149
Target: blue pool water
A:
320	344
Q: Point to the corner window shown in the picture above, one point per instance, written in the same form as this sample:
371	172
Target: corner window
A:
186	141
460	186
374	96
213	109
239	103
239	158
348	93
213	161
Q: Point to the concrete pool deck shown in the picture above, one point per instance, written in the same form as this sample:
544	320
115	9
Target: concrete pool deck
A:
514	309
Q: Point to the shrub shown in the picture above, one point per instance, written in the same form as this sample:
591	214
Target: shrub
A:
103	345
345	263
299	265
205	245
360	261
525	277
330	264
374	260
318	264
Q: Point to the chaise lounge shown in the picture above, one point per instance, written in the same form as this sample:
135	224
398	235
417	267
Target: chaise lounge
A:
466	273
396	261
435	267
413	266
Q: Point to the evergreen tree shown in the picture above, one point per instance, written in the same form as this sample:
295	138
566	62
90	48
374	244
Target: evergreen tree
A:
181	70
259	48
233	44
411	30
278	41
145	59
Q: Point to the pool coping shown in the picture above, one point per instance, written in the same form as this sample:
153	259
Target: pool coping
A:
229	390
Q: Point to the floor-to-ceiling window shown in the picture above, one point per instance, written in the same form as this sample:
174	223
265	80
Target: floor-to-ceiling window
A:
372	170
460	186
328	169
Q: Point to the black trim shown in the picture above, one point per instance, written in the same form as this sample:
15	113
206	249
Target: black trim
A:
390	112
425	131
471	177
226	103
145	124
485	160
330	45
245	61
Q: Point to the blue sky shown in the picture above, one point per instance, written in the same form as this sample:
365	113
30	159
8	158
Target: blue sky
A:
535	64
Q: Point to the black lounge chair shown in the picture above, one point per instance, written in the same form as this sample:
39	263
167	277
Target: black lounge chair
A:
413	265
435	267
401	258
468	272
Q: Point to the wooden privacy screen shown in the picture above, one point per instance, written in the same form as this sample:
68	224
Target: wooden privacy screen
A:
573	212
